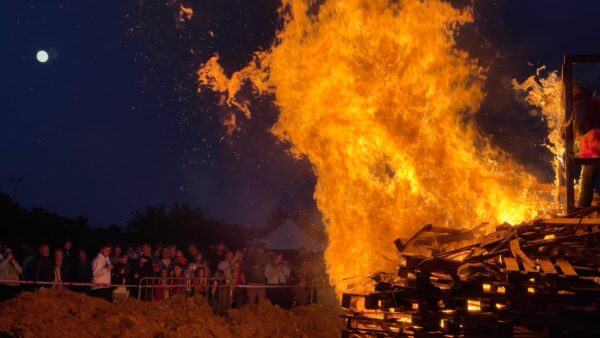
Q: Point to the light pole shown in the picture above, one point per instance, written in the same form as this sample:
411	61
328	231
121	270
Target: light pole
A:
15	181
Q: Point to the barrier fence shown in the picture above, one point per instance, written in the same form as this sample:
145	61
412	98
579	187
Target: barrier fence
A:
220	294
159	288
42	283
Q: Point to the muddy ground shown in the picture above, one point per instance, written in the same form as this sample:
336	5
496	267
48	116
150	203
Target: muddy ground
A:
61	313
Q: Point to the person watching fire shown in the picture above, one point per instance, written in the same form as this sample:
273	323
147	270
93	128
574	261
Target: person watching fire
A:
587	127
9	270
101	269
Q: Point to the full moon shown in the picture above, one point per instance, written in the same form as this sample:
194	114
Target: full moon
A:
42	56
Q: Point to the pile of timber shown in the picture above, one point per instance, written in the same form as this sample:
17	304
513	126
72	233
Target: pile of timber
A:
535	279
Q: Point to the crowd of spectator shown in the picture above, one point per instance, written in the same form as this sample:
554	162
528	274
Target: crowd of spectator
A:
249	274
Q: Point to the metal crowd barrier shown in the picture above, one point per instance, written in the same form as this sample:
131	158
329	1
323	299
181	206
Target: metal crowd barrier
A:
50	284
220	294
160	288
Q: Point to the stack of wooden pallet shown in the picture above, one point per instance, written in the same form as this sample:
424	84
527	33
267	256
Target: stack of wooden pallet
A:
539	278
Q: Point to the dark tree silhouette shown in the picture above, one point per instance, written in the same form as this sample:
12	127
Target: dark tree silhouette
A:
180	224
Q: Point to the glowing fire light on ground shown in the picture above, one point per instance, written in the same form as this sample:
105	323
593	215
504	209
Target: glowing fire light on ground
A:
379	99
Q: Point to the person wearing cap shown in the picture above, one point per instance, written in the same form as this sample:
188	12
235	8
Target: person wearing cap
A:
586	108
101	269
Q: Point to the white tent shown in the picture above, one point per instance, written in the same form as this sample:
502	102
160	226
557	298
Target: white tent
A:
288	236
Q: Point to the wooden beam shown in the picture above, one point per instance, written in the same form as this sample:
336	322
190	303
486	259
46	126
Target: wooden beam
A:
547	266
544	242
567	76
444	230
511	264
515	248
401	246
583	212
529	268
566	267
571	221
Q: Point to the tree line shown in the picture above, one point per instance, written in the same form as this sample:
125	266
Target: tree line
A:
177	224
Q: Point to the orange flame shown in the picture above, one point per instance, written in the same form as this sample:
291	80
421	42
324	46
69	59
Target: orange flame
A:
545	93
184	14
230	124
379	99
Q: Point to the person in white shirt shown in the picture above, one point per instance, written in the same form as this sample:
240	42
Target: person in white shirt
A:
226	266
101	269
277	272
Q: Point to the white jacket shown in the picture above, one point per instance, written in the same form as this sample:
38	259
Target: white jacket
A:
100	271
275	276
225	266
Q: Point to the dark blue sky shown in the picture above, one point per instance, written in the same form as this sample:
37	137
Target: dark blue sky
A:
113	121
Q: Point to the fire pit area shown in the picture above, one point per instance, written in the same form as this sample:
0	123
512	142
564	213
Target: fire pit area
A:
537	278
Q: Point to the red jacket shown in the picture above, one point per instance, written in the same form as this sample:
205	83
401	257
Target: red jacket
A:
587	116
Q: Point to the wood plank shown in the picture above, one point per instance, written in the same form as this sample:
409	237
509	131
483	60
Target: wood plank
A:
495	237
444	230
566	267
567	80
401	246
529	267
543	242
515	248
547	266
511	264
477	252
582	212
571	221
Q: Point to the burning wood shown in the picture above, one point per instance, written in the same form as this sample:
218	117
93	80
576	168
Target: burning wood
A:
541	276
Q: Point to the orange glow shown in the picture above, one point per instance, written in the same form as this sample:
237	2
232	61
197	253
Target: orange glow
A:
473	305
379	99
184	14
230	124
545	93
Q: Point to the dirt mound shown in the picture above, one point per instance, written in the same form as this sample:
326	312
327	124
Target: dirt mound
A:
61	313
265	320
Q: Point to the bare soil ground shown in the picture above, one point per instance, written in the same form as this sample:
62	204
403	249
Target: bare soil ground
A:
61	313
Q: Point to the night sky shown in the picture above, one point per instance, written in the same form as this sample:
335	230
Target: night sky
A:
113	121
